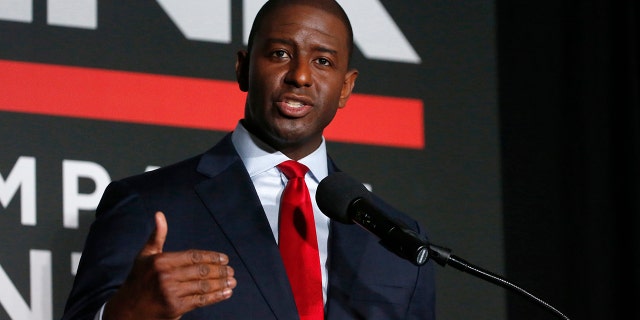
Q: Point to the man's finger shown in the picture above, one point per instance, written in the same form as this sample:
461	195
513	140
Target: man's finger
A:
201	300
203	272
204	286
193	261
156	241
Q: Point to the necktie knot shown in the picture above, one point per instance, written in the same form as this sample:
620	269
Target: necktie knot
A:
293	169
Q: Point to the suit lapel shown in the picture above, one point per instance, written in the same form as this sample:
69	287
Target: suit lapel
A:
231	199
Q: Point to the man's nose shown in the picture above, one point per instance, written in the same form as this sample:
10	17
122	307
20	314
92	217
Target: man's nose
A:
299	74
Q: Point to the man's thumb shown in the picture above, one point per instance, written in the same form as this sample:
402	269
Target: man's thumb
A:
156	240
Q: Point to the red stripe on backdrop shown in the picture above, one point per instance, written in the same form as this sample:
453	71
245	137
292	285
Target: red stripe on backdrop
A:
188	102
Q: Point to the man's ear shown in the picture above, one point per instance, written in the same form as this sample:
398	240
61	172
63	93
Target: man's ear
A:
242	70
347	86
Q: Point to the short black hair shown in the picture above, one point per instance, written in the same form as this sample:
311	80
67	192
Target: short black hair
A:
331	6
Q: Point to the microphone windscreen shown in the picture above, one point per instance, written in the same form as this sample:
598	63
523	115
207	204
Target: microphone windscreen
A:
335	194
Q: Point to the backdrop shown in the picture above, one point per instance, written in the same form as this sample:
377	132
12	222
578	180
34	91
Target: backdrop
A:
92	91
570	140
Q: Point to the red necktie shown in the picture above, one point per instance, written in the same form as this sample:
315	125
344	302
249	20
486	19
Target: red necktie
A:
298	242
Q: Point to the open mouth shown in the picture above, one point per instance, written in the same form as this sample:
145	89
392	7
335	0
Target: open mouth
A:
294	103
293	109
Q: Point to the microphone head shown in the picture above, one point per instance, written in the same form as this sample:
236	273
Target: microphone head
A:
335	194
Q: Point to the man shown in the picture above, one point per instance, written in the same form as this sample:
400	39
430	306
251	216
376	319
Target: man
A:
199	239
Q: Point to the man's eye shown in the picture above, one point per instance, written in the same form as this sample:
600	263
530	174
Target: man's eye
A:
324	61
280	54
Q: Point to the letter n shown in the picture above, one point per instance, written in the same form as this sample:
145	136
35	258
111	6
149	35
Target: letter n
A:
41	292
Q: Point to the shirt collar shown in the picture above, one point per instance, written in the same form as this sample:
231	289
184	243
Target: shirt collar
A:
259	157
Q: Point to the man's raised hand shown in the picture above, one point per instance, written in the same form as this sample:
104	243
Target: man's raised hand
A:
166	285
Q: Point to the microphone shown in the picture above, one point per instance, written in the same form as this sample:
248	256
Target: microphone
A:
346	200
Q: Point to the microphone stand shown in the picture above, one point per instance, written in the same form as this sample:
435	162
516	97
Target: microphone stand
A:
443	257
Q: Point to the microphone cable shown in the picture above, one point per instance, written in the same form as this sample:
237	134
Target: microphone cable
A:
443	257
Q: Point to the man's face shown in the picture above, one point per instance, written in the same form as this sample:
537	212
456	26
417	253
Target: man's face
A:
296	76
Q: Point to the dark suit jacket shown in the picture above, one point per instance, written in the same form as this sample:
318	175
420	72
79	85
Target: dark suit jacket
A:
210	203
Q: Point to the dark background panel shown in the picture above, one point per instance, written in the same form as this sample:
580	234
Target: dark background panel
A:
570	123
